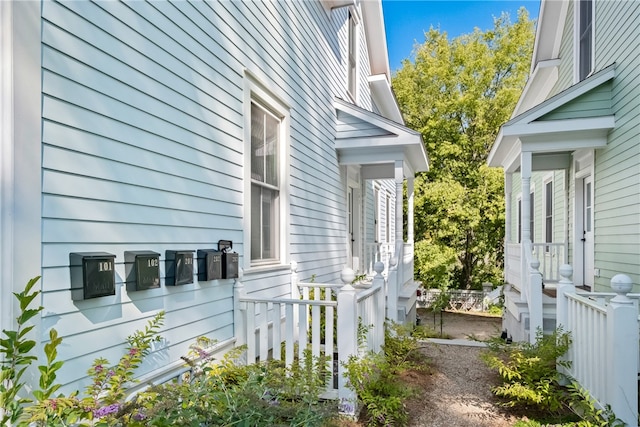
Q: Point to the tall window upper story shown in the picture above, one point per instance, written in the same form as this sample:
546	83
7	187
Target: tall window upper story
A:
584	38
548	212
265	189
352	54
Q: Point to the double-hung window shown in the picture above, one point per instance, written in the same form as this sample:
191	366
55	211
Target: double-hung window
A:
548	213
266	175
584	38
265	185
352	54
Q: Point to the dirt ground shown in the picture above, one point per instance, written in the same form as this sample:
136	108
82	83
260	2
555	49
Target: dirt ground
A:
462	325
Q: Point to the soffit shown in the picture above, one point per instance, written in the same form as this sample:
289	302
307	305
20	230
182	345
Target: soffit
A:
367	138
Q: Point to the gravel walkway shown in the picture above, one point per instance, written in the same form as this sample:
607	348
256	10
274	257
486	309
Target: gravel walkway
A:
457	393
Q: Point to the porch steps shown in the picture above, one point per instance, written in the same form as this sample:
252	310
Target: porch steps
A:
520	311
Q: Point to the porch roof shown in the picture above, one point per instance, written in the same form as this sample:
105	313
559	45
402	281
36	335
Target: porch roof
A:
579	117
376	143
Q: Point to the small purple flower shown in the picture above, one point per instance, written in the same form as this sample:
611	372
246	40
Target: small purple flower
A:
106	410
139	416
98	368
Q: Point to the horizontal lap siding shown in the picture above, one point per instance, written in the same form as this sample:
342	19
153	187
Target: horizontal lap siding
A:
617	168
143	150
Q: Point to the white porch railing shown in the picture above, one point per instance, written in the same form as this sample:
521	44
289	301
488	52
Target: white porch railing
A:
309	319
400	274
375	252
551	256
604	353
512	265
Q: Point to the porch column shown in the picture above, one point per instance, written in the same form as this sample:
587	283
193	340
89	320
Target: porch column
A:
525	227
508	188
525	170
410	209
399	177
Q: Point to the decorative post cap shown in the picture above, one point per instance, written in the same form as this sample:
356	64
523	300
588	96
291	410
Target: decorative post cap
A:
566	271
535	264
378	267
621	284
347	275
294	266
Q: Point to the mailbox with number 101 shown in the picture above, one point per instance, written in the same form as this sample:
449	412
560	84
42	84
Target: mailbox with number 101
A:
92	275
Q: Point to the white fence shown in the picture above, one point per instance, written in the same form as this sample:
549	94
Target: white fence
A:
458	299
604	352
325	318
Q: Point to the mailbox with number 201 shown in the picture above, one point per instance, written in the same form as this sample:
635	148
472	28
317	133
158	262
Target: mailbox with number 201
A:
179	266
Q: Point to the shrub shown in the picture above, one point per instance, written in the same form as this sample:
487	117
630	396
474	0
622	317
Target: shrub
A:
376	381
528	371
230	393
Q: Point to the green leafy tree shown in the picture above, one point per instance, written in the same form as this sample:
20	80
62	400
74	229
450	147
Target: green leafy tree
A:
457	93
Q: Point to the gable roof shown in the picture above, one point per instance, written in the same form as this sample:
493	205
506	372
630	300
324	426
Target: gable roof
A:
566	121
367	138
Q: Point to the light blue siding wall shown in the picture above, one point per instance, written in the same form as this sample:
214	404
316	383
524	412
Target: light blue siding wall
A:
143	149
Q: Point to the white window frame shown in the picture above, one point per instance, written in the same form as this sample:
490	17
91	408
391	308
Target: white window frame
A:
377	233
578	38
548	180
353	52
260	93
387	203
532	213
519	217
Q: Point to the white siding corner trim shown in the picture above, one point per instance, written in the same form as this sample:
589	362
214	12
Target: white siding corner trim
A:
20	150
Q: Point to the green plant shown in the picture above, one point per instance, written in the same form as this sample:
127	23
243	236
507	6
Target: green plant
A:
584	406
382	394
17	357
401	347
375	377
227	392
105	401
528	371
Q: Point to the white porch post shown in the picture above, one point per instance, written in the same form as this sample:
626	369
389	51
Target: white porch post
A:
525	227
508	188
399	178
622	351
525	170
410	237
347	339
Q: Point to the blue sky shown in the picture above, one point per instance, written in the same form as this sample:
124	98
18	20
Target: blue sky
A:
407	20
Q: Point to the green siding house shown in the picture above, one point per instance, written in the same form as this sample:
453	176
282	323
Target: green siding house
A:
571	158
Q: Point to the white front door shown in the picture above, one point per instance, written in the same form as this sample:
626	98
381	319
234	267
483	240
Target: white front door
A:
353	219
587	232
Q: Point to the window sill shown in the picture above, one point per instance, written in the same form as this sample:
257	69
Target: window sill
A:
258	269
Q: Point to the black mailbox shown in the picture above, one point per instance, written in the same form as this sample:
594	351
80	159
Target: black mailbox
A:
142	270
229	259
229	265
93	275
209	265
179	266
